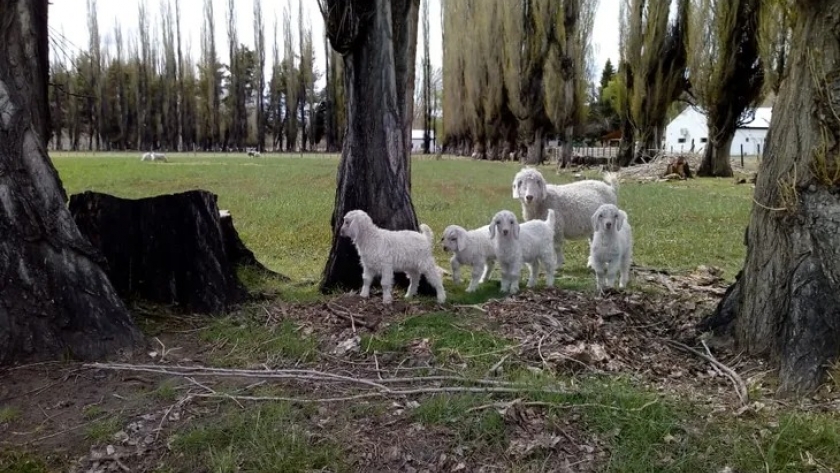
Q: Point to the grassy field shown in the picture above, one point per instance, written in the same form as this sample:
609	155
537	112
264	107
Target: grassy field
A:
282	205
627	421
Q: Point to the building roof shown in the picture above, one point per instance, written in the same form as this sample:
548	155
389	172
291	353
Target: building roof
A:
761	119
697	116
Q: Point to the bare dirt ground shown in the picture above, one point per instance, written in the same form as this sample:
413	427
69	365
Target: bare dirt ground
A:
82	418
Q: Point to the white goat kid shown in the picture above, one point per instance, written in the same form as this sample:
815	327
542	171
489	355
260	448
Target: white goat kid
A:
471	248
573	203
529	243
383	252
611	248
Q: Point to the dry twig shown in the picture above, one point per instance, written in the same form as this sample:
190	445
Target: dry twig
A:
735	378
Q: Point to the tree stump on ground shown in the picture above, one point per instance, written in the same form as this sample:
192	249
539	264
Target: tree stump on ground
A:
168	249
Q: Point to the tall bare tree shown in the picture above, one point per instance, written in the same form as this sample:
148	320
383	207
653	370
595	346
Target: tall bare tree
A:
727	76
378	41
259	49
427	80
94	78
786	301
169	82
291	82
56	300
210	81
276	89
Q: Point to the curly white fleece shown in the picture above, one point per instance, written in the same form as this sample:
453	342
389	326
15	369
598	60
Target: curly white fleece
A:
383	252
611	247
572	203
472	248
529	243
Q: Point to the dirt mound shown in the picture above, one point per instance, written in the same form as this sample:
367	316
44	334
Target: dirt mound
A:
637	333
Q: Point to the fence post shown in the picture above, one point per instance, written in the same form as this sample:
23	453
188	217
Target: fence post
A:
742	154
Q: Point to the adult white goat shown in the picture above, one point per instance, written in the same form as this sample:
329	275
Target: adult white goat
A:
383	252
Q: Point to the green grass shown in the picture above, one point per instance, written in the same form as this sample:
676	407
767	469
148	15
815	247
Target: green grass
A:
8	414
101	431
267	437
282	205
240	340
484	427
450	337
21	462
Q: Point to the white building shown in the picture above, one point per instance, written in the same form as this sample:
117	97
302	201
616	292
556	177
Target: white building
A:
417	141
689	130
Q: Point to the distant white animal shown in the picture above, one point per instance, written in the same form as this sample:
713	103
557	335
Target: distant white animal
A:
472	248
529	243
253	153
611	247
383	252
573	203
152	156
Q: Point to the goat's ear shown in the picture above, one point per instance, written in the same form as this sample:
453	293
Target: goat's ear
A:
619	220
515	230
462	240
493	229
595	225
515	188
353	228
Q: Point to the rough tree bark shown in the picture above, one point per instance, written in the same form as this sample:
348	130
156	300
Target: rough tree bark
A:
716	156
168	249
55	299
787	305
378	42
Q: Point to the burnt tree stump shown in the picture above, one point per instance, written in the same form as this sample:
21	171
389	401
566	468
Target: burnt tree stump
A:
168	249
237	252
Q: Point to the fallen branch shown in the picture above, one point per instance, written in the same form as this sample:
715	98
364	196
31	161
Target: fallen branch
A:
388	393
520	402
384	387
291	374
735	378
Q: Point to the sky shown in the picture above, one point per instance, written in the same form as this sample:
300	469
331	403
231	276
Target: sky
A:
68	25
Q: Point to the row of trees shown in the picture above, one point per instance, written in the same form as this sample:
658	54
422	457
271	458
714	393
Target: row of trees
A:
721	56
148	92
513	72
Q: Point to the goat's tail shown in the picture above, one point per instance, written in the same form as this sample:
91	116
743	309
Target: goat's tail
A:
428	233
612	178
551	220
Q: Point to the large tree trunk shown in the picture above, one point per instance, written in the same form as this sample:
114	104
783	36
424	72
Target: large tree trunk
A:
373	173
536	148
55	299
627	145
168	249
789	307
716	158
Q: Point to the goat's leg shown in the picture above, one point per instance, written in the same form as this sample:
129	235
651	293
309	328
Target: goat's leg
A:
413	283
456	269
625	272
367	280
488	268
550	269
476	278
533	271
387	284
